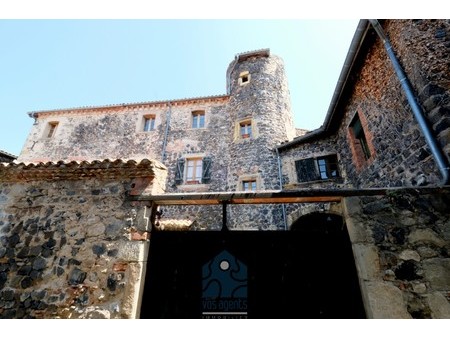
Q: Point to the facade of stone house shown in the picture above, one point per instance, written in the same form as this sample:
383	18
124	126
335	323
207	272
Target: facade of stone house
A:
371	139
370	155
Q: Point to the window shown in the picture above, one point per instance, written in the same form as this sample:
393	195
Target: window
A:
198	119
246	129
244	78
360	138
328	167
51	129
249	185
317	169
193	170
149	122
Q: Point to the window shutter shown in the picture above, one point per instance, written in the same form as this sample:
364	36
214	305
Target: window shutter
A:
206	170
179	171
306	170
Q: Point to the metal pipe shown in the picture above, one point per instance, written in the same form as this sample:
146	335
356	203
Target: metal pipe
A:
437	152
281	187
166	133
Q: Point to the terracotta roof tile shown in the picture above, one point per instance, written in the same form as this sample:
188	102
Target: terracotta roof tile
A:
72	170
176	101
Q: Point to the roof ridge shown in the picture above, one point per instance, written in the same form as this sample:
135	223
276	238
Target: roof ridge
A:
31	113
7	154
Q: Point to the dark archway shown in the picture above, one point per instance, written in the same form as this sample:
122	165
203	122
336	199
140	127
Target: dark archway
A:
329	282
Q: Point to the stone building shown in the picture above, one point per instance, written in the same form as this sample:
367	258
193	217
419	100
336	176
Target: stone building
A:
78	205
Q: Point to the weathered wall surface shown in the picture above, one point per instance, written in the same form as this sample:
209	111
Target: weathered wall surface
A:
401	155
324	147
117	132
401	245
72	248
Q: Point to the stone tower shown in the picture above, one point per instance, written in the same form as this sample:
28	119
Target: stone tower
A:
260	113
261	118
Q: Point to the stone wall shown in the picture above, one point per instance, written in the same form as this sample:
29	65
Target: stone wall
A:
401	245
323	147
401	156
73	248
116	132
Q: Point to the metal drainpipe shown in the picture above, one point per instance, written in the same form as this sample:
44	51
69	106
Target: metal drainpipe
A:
169	113
438	155
281	187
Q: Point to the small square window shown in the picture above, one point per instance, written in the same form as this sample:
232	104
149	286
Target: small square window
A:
51	129
244	78
246	129
198	119
149	122
249	185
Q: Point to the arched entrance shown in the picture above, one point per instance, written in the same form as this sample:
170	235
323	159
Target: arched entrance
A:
320	271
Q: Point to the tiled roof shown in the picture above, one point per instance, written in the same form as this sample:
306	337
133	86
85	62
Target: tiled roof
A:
4	153
259	52
74	170
165	102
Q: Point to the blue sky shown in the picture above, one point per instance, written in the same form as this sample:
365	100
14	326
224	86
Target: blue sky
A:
50	64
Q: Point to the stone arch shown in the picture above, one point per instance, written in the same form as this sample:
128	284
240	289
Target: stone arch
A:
305	209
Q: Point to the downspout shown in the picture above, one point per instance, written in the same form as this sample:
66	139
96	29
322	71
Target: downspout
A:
438	155
166	133
281	187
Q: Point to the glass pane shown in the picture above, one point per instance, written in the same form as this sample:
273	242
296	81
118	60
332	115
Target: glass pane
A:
194	121
202	121
357	128
190	171
198	170
254	185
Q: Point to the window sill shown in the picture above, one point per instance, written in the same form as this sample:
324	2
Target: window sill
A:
333	180
196	187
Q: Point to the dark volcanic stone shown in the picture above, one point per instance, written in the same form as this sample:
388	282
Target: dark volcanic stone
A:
111	283
24	270
407	271
7	295
26	282
99	249
39	263
13	240
77	276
